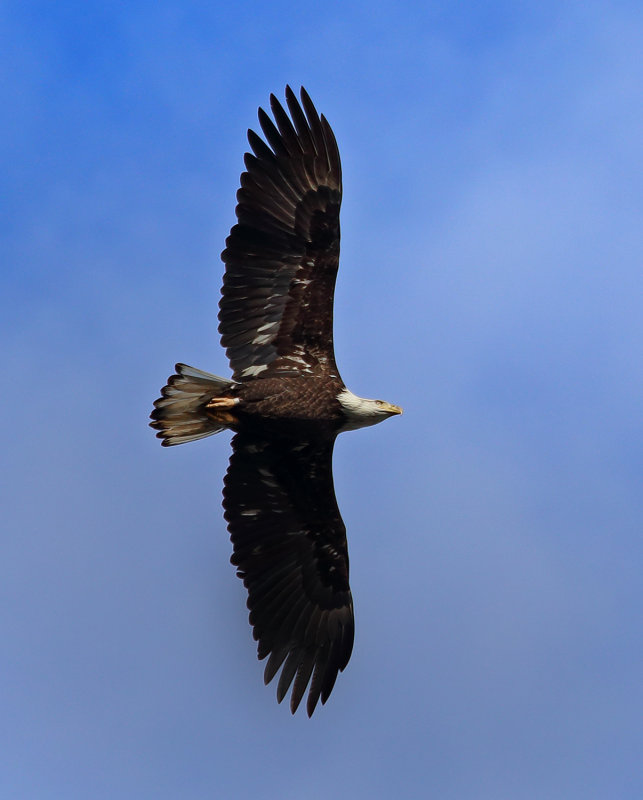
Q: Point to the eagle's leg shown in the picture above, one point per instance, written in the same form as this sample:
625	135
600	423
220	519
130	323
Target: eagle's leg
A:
219	409
222	402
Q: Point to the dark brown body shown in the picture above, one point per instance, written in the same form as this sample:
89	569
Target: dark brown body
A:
297	399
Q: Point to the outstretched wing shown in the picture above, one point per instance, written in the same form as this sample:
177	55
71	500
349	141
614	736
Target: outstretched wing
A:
290	550
276	312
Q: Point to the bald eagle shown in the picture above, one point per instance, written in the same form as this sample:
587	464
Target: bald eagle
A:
286	401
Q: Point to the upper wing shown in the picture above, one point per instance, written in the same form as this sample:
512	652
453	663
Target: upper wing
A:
281	258
290	550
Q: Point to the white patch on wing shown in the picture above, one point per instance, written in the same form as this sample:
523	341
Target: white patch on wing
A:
298	359
299	362
255	369
267	478
267	326
263	339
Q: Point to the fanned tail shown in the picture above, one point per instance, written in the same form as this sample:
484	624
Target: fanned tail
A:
181	414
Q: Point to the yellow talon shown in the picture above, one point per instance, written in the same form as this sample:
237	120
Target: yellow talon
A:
222	402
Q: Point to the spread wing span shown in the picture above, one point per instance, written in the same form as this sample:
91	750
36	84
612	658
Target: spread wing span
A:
290	550
281	258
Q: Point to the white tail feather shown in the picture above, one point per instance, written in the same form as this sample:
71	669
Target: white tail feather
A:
180	413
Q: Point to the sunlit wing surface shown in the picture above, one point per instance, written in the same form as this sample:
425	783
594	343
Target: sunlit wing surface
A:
276	310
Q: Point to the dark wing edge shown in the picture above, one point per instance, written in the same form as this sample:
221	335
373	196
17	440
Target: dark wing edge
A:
276	310
290	551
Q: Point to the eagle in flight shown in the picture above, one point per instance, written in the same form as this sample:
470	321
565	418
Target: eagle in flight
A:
285	403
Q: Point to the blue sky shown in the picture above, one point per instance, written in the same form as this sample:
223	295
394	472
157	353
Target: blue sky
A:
491	283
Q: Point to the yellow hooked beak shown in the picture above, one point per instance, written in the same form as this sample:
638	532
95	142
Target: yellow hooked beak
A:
391	409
